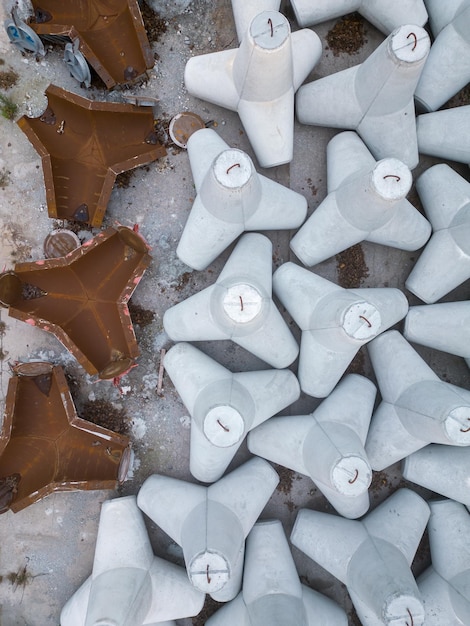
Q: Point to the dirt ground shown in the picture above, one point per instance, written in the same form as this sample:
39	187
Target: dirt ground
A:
46	551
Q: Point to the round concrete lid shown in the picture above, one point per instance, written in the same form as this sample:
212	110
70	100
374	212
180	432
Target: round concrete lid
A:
410	43
60	242
223	426
403	610
391	179
34	368
233	168
242	303
209	572
269	29
362	321
183	125
352	475
457	426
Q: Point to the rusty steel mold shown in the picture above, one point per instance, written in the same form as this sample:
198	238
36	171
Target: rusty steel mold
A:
82	298
111	34
46	447
83	146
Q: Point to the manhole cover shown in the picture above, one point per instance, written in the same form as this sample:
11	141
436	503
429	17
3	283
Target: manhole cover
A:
182	126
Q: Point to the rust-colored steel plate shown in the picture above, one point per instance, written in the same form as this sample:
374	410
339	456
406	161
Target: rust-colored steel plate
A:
46	447
83	146
82	298
111	34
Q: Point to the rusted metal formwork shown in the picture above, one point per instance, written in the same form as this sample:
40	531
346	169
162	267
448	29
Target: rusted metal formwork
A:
82	298
83	146
46	447
111	33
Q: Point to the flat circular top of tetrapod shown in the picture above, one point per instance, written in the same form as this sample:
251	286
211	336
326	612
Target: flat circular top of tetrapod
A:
410	43
233	168
403	610
60	242
242	303
209	572
183	125
269	29
224	426
352	475
457	426
362	321
391	179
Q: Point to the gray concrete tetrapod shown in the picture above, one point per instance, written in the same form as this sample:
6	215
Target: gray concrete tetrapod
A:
443	134
366	201
374	98
272	592
231	198
447	69
259	80
335	322
372	557
129	586
238	306
383	14
442	469
211	523
444	326
444	586
244	11
417	407
444	263
223	406
327	445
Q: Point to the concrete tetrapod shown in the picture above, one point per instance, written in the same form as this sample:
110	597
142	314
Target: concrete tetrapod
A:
445	261
244	12
272	592
440	468
259	80
327	445
231	197
211	523
442	134
384	15
444	586
444	326
223	406
366	201
374	98
335	322
447	69
372	557
417	407
238	306
129	586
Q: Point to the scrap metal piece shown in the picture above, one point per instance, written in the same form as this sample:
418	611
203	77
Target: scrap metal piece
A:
82	298
76	62
46	447
111	33
22	36
97	141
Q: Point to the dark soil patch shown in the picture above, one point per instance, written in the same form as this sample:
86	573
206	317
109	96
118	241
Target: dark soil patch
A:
286	477
351	267
379	482
123	180
184	281
30	292
139	315
357	364
209	608
8	78
103	413
347	35
154	24
462	98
